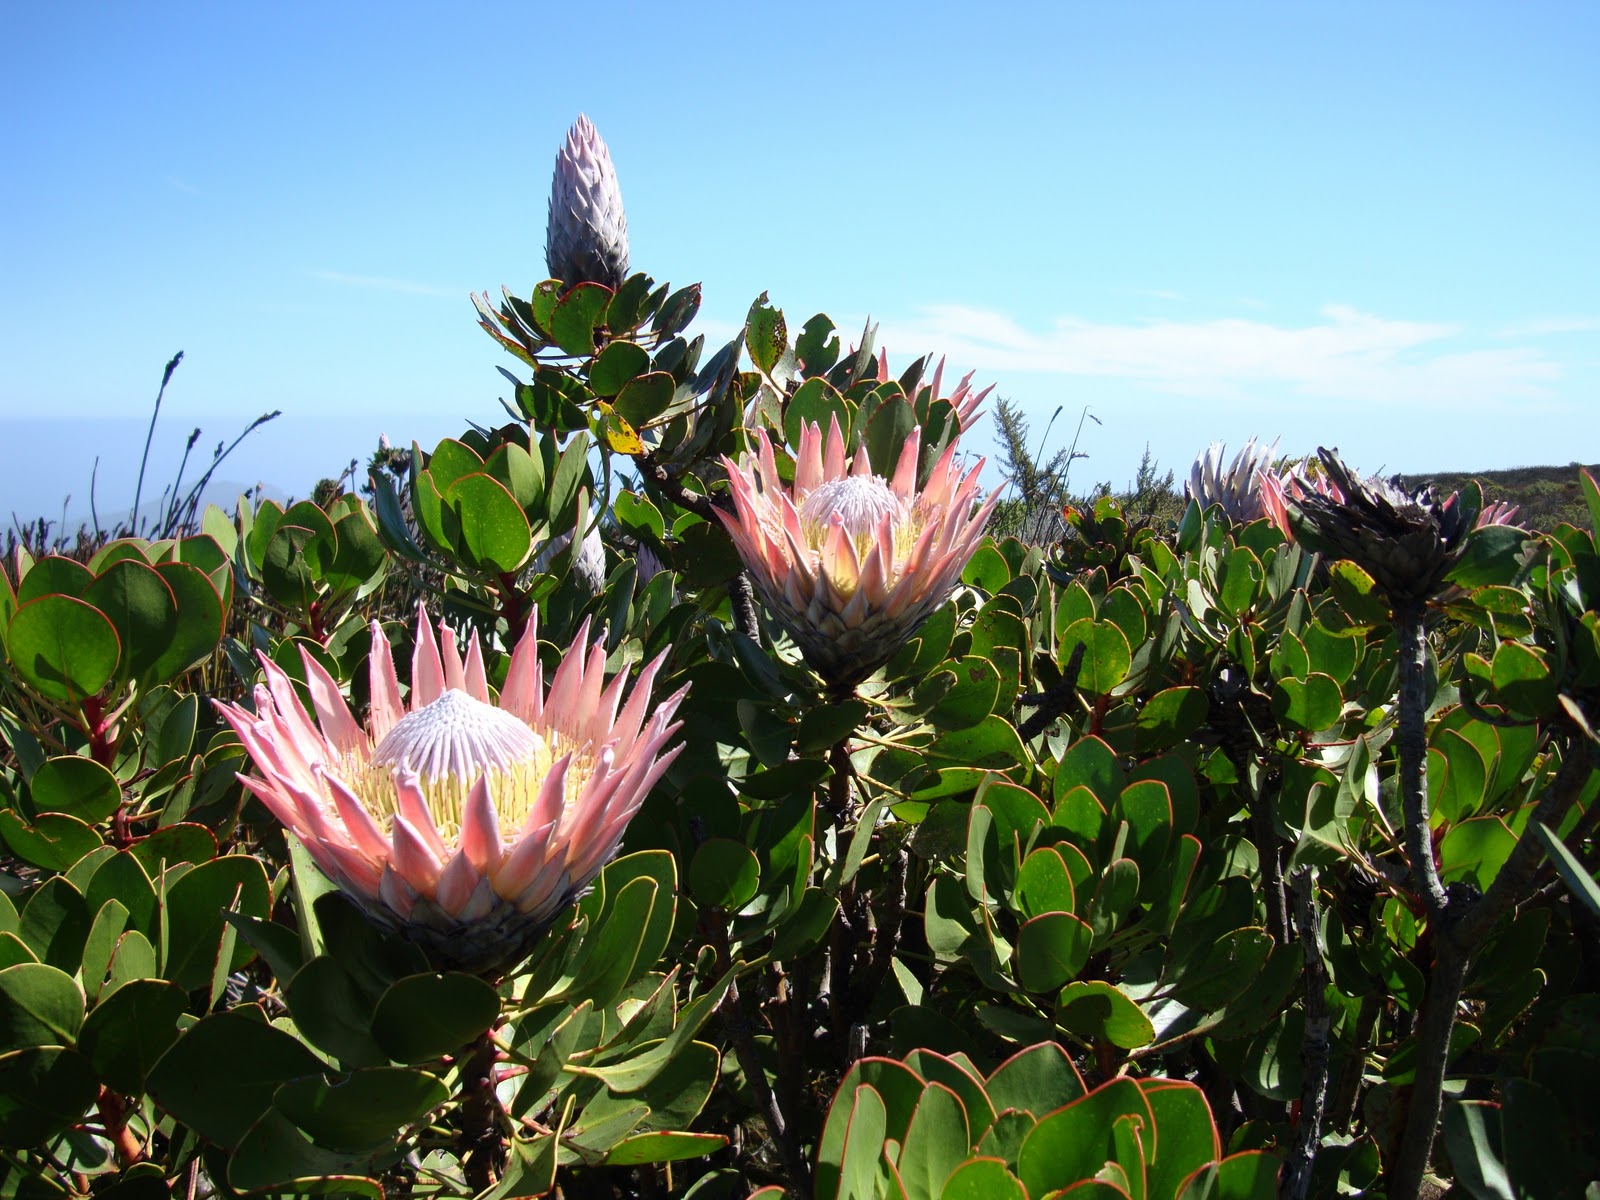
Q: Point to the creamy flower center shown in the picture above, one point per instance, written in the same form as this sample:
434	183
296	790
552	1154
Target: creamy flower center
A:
450	744
457	735
861	502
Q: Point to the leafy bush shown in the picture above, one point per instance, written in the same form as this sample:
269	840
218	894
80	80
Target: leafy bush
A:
1172	858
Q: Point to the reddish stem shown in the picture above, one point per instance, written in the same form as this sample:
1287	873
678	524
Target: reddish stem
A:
114	1115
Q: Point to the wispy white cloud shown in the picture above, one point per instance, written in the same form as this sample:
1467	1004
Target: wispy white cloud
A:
1544	326
182	185
1348	355
405	287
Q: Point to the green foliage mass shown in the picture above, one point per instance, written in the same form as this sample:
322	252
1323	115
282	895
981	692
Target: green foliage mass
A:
1105	881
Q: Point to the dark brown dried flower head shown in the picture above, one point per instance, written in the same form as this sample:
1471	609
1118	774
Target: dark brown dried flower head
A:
1407	539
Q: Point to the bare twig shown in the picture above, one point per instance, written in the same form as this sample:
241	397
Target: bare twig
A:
1461	922
1296	1179
1051	705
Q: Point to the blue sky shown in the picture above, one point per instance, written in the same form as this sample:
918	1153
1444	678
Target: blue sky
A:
1363	225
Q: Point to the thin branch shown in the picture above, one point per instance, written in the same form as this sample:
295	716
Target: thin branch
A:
1051	705
1412	739
1296	1183
741	598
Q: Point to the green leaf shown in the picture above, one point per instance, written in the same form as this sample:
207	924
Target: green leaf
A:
1186	1134
274	1154
936	1141
1240	582
43	1090
615	365
1096	1009
1037	1080
1224	971
1044	885
142	609
645	397
64	648
724	874
1171	715
765	335
1106	656
100	947
1073	1143
494	530
54	574
195	905
961	695
1051	949
992	742
888	430
1591	498
663	1147
630	305
1360	602
815	402
54	841
576	314
363	1110
805	925
332	1013
1573	873
391	518
77	786
1523	679
423	1017
290	568
862	1150
360	558
1114	898
39	1006
182	843
982	1179
1491	556
1475	850
222	1105
817	347
54	924
1472	1135
130	1029
1313	703
987	570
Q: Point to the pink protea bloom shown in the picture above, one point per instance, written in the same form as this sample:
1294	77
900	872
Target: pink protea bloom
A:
466	823
850	563
964	400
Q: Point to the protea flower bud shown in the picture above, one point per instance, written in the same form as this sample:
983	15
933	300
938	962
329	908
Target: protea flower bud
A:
586	240
465	822
850	563
1238	487
1406	539
588	565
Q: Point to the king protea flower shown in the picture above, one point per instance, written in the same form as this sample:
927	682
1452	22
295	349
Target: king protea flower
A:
1239	487
466	823
850	563
586	240
1408	539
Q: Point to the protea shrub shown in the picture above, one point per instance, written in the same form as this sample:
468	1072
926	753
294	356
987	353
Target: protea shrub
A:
851	563
586	239
465	821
